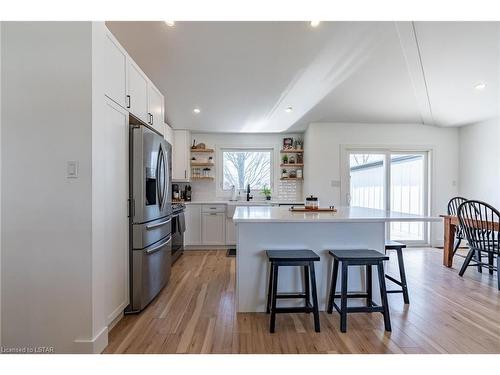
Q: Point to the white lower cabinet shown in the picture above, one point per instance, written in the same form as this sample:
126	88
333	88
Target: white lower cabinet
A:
205	225
213	228
230	232
192	215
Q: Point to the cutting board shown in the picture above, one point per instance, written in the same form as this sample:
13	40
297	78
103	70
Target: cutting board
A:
321	209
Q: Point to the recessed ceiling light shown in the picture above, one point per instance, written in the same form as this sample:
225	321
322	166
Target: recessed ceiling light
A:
315	23
196	110
288	109
170	23
480	86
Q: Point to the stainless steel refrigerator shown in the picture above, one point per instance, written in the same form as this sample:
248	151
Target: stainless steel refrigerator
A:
150	215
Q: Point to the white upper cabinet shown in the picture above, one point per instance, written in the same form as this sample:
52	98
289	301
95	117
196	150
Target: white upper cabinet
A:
127	85
137	92
168	134
155	105
116	71
181	170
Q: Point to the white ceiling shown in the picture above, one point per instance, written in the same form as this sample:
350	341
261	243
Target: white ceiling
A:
243	75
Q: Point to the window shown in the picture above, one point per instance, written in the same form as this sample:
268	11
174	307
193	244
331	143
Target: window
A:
241	167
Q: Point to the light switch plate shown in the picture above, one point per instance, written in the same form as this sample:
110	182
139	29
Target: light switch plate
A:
71	169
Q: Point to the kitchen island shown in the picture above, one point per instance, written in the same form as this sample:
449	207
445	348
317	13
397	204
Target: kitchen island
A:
277	228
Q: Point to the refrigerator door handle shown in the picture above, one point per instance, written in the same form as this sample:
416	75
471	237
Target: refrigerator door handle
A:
165	184
156	225
158	247
158	186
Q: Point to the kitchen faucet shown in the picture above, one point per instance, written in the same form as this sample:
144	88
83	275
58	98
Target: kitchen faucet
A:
248	193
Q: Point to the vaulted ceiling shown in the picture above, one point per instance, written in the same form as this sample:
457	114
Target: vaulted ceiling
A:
244	75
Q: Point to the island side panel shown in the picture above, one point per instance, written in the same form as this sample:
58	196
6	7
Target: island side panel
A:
252	267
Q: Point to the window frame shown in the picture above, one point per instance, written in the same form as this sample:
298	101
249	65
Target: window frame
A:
387	150
220	166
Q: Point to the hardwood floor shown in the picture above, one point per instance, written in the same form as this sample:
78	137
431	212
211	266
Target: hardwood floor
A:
195	313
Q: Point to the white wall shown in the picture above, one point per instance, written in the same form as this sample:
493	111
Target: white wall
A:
323	142
46	218
480	162
206	190
1	183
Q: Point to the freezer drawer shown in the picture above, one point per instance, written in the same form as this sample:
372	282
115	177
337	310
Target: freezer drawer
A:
146	234
150	273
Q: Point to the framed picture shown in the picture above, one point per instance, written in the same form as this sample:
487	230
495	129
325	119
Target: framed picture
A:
287	143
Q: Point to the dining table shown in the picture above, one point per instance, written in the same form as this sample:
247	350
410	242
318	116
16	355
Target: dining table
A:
450	226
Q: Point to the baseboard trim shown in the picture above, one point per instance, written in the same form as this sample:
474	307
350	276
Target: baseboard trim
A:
94	346
208	247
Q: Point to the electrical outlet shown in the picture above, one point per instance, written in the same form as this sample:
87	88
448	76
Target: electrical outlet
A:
71	169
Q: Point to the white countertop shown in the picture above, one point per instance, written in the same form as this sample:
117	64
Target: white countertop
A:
244	202
262	214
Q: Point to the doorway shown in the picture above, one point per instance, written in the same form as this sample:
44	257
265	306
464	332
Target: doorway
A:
388	179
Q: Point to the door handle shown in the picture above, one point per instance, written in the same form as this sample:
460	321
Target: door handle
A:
158	247
128	101
156	225
152	119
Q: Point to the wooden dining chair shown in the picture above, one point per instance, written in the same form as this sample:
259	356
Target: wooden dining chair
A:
453	205
480	224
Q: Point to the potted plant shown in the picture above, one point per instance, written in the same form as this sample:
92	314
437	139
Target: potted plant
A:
298	143
266	192
284	173
285	159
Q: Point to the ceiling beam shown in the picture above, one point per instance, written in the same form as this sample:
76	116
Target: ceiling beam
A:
411	51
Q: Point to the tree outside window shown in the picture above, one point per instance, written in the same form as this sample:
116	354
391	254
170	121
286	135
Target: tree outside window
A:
243	167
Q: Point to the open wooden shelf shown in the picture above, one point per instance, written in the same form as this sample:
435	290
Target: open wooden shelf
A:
292	151
202	164
202	150
291	179
202	178
291	165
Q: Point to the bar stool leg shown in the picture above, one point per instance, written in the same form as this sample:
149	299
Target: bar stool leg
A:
333	285
369	286
402	275
490	263
314	297
269	289
343	299
307	287
383	296
274	293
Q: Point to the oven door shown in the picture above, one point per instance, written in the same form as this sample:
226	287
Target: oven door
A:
150	161
178	229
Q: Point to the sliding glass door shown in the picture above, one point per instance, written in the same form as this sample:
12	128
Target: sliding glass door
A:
390	180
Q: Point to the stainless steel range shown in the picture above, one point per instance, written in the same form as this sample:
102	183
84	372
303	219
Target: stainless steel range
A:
178	229
150	214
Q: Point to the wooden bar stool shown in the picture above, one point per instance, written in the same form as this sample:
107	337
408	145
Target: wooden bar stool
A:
362	257
393	245
292	258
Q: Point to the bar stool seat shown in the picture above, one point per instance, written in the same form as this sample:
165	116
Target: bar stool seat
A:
299	258
398	247
358	257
